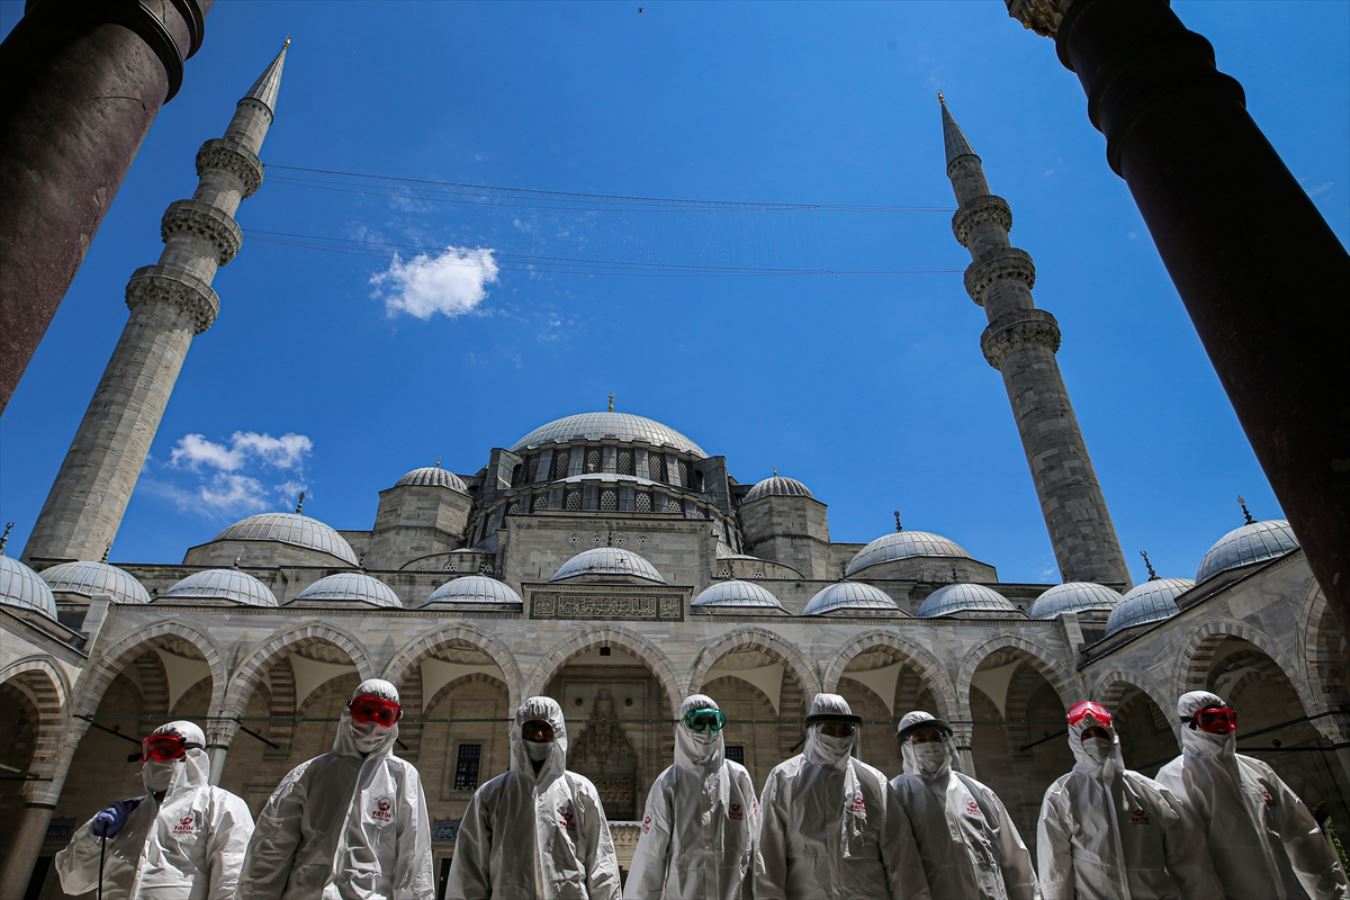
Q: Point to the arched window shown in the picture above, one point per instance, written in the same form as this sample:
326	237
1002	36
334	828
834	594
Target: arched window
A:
626	462
593	459
609	500
656	467
643	503
540	502
573	501
560	464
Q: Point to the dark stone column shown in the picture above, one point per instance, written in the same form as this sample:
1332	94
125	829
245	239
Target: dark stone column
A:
83	80
1262	275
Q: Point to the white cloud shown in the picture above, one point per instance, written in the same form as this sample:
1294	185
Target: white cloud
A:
193	451
452	284
233	494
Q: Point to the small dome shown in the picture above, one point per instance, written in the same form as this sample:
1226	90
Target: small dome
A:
599	426
89	578
963	598
291	528
1073	596
222	584
351	587
433	476
904	545
850	595
20	586
475	589
608	561
778	486
737	593
1151	601
1249	544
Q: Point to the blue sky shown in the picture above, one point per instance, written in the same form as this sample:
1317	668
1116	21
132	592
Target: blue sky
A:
868	387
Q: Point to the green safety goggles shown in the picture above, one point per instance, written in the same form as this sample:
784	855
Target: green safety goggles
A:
705	719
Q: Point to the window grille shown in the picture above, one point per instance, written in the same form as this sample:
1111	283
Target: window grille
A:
531	468
643	503
560	464
673	506
514	508
573	501
593	459
626	462
466	766
656	467
540	502
609	501
684	473
736	753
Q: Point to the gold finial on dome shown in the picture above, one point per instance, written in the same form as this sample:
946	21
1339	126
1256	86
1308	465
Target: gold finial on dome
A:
611	401
898	526
1246	513
107	549
1152	575
300	503
438	462
4	538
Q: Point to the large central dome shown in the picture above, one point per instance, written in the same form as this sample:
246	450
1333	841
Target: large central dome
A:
599	426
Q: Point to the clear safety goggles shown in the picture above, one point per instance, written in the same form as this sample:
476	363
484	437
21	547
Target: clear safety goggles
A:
1089	709
705	720
1214	720
165	748
379	710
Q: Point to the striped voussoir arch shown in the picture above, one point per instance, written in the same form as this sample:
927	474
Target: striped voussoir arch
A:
404	663
764	639
45	686
934	676
637	645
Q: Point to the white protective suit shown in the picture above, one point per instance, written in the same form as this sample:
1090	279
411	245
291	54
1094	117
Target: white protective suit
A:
347	825
699	826
1264	843
189	846
1107	833
969	845
535	837
830	829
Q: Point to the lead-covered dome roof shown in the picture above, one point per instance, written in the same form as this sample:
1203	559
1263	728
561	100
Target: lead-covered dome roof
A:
351	587
850	595
1151	601
475	589
778	486
735	593
964	598
1249	544
294	529
904	545
1073	596
89	578
433	476
608	561
24	589
599	426
222	584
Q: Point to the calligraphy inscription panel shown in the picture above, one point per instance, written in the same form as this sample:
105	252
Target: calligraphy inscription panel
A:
652	607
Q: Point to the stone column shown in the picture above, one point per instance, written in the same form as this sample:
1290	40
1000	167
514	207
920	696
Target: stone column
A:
40	800
1252	258
1021	342
82	83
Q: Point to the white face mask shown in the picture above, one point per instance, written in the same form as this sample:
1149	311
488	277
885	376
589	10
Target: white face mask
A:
156	776
368	735
538	751
930	757
1097	748
833	749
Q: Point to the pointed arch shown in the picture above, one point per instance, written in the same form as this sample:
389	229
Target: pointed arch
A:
1195	660
1065	682
256	664
1109	689
1322	654
763	638
411	654
43	682
930	670
637	645
108	664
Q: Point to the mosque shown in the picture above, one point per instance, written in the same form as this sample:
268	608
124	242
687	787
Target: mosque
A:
608	560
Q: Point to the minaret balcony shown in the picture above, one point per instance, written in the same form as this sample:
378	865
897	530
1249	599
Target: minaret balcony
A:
178	287
982	211
1022	330
199	218
229	155
1008	264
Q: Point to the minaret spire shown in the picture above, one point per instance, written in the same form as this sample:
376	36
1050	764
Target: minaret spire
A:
1021	342
171	302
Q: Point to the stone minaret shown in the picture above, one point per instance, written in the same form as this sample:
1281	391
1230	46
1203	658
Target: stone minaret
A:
1020	342
171	302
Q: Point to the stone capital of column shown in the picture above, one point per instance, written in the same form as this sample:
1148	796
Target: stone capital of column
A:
178	287
1041	16
229	155
1021	330
221	730
1008	264
205	221
986	210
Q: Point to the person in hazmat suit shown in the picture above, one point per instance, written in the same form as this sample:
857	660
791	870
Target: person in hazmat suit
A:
1264	843
537	831
830	828
969	845
350	824
699	826
182	839
1107	833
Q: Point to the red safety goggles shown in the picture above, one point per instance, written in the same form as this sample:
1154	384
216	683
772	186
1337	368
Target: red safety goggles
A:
381	711
1216	720
164	748
1089	709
